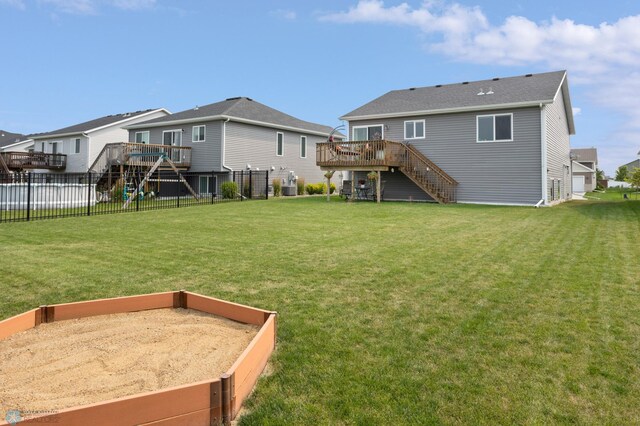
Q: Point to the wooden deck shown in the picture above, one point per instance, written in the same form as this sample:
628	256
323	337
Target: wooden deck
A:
138	154
359	156
34	160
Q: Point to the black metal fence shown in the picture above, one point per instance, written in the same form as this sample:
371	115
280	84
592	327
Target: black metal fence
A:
34	196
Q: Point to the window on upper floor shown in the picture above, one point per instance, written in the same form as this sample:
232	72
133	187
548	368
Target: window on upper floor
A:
303	147
494	128
198	134
279	144
142	137
414	129
76	146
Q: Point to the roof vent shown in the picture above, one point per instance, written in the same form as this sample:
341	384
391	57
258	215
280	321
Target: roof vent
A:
481	92
528	75
196	108
496	79
126	114
490	92
438	85
249	99
412	88
233	99
465	82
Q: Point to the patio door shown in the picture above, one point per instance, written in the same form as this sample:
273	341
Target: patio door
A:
368	133
173	138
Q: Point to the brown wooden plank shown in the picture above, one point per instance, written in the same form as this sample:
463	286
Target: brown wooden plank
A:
251	363
141	408
116	305
234	311
18	323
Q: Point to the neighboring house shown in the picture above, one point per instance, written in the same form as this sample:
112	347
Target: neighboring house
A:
14	142
239	134
498	141
82	143
635	164
9	138
584	165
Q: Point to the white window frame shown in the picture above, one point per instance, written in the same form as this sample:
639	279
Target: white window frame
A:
278	144
353	131
303	143
204	133
176	152
424	129
135	137
478	117
212	182
76	145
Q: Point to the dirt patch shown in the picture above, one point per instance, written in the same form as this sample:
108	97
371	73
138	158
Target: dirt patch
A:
88	360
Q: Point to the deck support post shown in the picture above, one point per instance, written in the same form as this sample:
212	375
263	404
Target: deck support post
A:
353	185
378	187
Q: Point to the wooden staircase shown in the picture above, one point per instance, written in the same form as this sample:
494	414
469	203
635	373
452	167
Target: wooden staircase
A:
428	176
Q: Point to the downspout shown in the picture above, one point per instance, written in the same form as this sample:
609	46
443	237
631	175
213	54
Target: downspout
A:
543	154
224	140
88	156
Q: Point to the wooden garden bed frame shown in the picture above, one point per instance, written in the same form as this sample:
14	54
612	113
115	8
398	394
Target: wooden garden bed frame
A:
210	402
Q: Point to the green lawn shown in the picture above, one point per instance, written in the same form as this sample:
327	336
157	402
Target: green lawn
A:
388	314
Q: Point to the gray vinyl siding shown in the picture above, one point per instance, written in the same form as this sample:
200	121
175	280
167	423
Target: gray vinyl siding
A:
205	156
256	145
489	172
558	149
398	187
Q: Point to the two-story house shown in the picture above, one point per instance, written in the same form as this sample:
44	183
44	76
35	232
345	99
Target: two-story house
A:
239	134
497	141
584	165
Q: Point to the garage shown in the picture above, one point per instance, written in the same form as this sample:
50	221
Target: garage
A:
578	183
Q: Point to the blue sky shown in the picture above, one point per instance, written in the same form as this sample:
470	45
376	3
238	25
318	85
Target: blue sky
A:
67	61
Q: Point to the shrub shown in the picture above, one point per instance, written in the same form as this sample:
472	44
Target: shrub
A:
300	185
333	188
229	190
277	187
319	188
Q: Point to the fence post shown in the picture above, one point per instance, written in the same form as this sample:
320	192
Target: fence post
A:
241	189
179	187
250	186
213	190
88	193
28	196
266	185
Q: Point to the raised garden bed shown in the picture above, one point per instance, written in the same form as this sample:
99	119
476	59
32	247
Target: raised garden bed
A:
207	400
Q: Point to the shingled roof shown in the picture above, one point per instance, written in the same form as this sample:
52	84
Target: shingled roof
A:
92	125
527	90
8	138
241	108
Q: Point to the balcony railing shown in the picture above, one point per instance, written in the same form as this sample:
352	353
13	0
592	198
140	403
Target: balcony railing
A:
138	154
361	154
34	160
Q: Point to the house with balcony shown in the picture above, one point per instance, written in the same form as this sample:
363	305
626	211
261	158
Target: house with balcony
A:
237	134
584	166
496	141
74	148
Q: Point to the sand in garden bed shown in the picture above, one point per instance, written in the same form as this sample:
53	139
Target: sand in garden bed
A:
83	361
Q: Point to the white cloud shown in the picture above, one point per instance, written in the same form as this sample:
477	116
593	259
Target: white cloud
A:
605	57
289	15
91	7
18	4
134	4
76	7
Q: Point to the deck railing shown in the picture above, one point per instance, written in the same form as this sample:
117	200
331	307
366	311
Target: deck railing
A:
360	154
138	154
34	160
380	154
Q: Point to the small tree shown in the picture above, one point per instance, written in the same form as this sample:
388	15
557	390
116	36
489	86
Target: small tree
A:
622	174
634	180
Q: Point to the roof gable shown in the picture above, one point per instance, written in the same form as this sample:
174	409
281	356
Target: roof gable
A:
530	89
98	123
